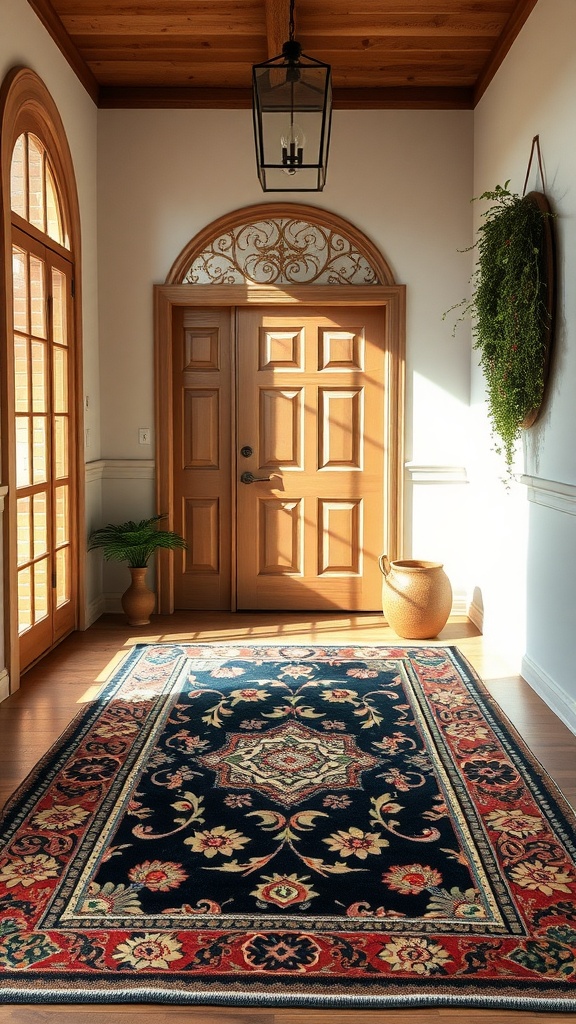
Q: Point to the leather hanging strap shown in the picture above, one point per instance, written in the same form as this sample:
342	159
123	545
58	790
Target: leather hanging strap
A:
535	147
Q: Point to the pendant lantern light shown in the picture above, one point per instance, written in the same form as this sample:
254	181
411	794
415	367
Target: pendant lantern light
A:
292	108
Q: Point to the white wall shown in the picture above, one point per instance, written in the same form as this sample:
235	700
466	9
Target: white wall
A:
527	541
402	177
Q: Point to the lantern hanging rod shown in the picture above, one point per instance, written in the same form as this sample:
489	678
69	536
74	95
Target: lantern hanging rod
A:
291	50
291	23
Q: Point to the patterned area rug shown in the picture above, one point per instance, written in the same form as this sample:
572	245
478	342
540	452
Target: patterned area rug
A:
292	826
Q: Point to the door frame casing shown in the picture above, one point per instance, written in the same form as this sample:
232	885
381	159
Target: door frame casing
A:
392	298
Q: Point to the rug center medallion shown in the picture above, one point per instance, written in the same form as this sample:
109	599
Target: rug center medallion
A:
288	763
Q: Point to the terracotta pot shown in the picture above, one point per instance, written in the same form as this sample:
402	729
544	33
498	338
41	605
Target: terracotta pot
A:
138	601
416	597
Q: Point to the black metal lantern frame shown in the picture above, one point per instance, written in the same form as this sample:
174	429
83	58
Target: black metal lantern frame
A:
292	108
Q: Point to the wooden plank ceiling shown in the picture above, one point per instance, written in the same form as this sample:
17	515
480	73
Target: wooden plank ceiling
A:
384	53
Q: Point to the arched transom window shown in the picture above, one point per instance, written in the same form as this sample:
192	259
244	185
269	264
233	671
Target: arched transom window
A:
281	244
33	191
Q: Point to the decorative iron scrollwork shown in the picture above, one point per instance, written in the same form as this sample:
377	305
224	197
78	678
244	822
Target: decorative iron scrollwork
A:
281	251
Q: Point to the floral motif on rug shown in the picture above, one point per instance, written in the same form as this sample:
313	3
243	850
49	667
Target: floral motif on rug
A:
322	826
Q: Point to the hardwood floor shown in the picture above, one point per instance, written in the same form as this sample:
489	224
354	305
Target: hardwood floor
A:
54	690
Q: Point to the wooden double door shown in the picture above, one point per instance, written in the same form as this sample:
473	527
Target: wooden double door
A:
279	456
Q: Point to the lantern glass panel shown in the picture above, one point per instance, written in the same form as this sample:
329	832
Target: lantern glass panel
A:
292	107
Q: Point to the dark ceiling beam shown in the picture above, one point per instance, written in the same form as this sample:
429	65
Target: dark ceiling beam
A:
401	98
53	25
173	97
515	22
404	98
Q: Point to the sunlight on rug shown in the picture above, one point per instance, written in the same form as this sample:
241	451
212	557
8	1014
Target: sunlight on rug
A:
294	826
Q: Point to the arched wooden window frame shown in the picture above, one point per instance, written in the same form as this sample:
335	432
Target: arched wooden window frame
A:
27	106
173	293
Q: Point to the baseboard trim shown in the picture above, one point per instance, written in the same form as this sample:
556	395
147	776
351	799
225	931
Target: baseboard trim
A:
94	610
555	697
4	685
476	615
459	603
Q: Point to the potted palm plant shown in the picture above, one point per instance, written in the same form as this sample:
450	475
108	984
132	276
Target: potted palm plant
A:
135	543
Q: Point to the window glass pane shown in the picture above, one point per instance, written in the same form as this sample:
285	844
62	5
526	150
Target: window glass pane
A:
59	332
24	532
60	380
60	446
37	298
22	451
33	188
17	178
62	529
18	187
40	517
62	576
21	394
39	376
24	600
20	290
40	590
42	390
53	219
39	450
36	183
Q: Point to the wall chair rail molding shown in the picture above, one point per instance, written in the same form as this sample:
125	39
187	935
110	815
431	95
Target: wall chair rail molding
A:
94	470
423	473
128	469
120	469
551	493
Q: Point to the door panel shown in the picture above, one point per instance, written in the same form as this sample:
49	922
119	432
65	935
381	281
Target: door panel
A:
278	548
202	451
340	533
310	405
340	423
280	427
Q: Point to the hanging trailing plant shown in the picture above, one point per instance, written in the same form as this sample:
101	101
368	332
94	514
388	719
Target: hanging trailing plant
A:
512	310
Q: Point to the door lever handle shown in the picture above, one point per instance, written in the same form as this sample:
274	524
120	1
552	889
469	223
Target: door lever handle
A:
248	478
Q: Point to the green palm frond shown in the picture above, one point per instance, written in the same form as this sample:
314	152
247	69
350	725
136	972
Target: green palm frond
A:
133	542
